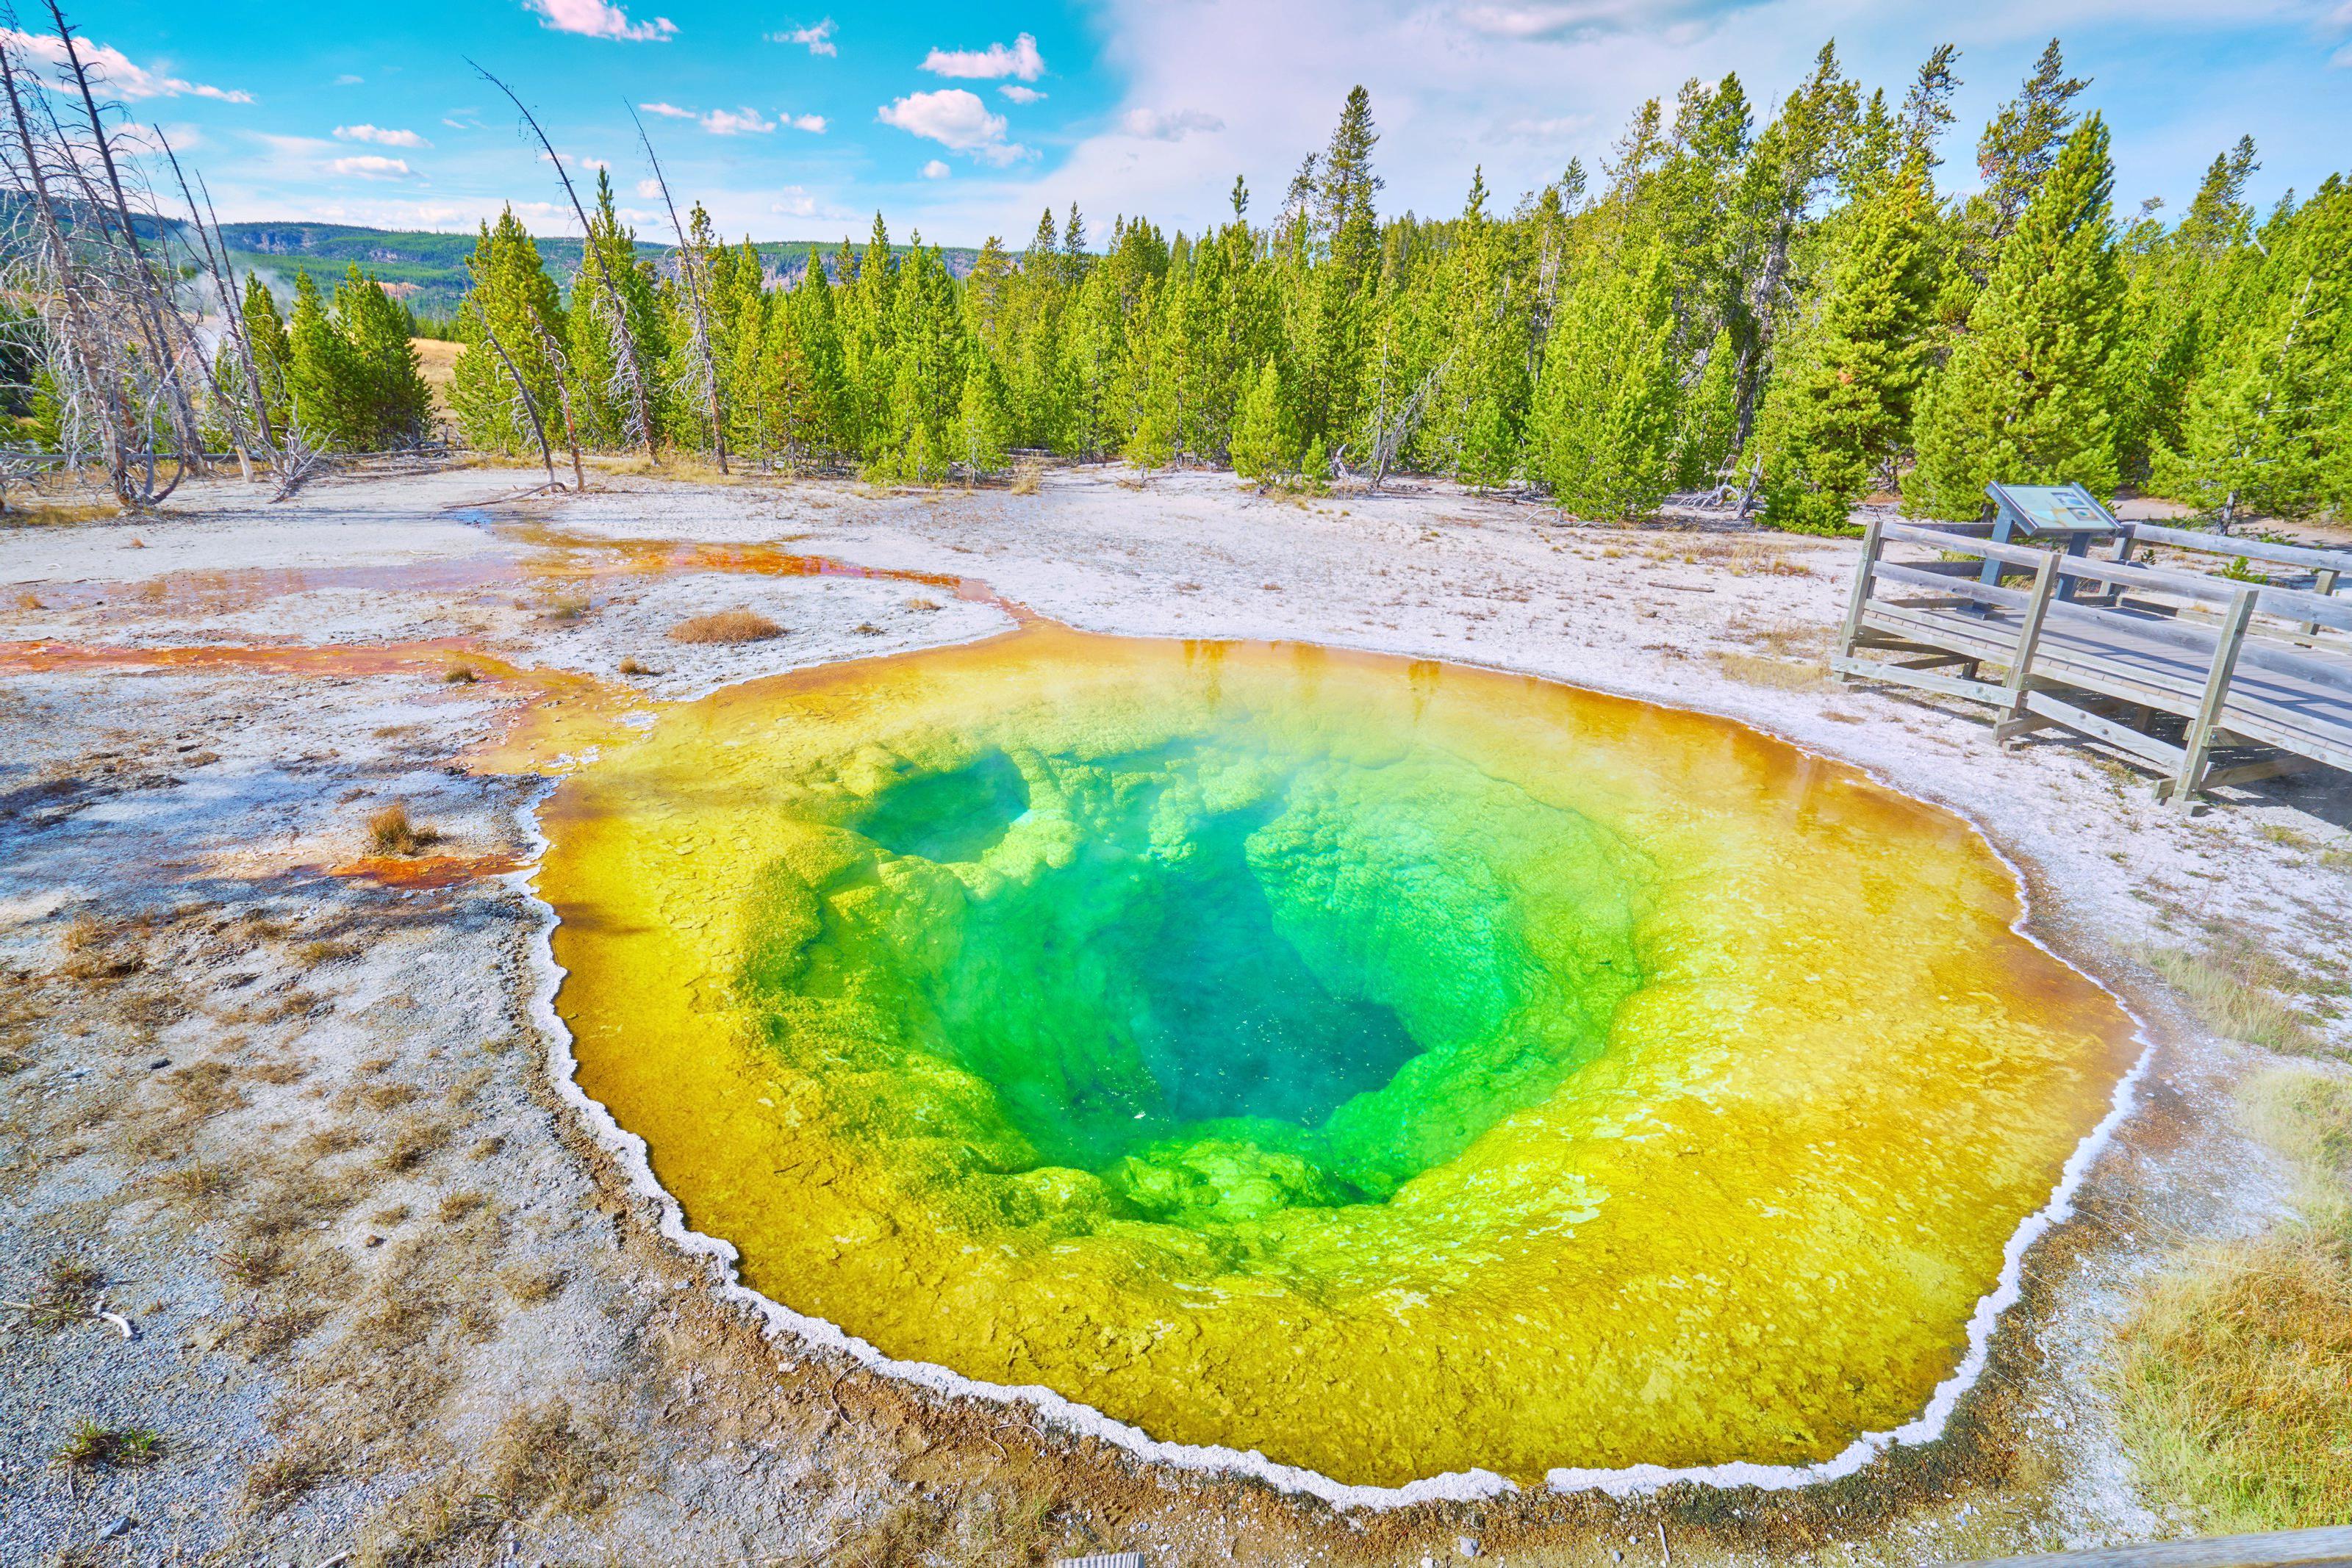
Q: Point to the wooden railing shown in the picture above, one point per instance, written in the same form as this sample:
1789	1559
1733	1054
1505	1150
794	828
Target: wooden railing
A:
2246	663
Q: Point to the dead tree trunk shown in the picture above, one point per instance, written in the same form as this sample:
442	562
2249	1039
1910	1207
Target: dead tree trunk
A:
624	340
554	352
690	266
523	391
155	304
112	418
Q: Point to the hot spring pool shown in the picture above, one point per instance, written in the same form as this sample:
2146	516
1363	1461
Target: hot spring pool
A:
1395	1069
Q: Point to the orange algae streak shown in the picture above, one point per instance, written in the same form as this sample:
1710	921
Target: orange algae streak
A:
1742	1211
426	872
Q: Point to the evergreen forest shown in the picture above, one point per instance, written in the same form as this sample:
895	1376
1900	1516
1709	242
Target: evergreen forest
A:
1799	301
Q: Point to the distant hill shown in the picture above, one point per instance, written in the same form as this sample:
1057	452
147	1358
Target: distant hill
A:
428	270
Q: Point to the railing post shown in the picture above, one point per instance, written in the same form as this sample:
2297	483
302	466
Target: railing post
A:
2208	722
2028	640
1872	543
2323	583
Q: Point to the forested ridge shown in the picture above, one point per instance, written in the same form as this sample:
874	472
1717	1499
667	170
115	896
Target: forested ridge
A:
1804	302
1783	292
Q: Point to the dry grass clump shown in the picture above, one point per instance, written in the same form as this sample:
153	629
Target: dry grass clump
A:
414	1140
390	831
726	626
2235	1380
252	1262
286	1476
94	952
532	1284
631	665
1025	479
1780	674
312	954
459	675
196	1182
2233	989
96	1448
538	1464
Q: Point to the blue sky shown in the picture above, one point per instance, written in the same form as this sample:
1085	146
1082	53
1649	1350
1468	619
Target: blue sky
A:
794	119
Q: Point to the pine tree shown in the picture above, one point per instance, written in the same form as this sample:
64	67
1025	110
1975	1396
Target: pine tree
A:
2019	149
324	381
389	403
2025	397
2268	430
1606	401
512	297
271	351
981	419
1840	412
1261	451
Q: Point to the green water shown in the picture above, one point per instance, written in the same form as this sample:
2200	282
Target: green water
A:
1390	1068
1225	975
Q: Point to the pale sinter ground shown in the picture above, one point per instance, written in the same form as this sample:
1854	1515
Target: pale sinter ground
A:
386	1295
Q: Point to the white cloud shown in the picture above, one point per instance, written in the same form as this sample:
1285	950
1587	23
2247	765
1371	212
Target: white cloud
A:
818	39
649	188
935	170
1020	60
736	123
812	123
1522	23
114	73
595	19
380	136
1020	94
670	110
1557	128
347	80
957	120
178	138
372	166
1158	125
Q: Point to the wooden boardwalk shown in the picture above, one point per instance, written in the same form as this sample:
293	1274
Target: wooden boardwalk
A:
2211	679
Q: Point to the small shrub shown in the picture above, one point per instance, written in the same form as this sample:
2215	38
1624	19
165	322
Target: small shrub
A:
726	626
390	832
459	675
632	666
67	1293
252	1262
93	1446
564	612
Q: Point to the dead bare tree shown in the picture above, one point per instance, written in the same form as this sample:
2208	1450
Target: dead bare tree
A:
555	358
691	270
233	328
1389	439
522	395
628	373
90	399
156	311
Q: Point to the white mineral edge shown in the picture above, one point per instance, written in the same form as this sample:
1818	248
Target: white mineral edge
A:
1461	1485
